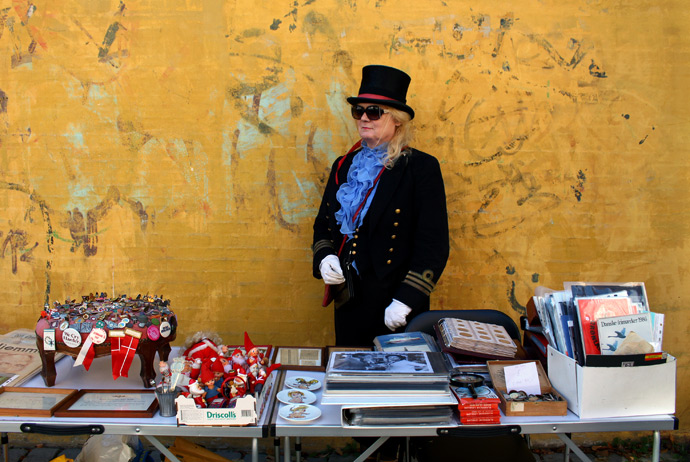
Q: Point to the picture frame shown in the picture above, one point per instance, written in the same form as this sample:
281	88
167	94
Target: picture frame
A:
300	358
109	403
32	402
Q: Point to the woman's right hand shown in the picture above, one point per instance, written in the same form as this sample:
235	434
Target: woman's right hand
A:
331	272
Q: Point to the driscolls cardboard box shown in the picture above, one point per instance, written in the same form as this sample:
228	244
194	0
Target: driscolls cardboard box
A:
246	411
601	392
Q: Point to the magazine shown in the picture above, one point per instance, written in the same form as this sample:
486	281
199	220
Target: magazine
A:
592	308
613	330
19	357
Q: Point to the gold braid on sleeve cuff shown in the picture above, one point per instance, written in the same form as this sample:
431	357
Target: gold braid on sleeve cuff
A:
322	244
422	282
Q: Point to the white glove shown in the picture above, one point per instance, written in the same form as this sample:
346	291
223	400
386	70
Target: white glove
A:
396	314
331	272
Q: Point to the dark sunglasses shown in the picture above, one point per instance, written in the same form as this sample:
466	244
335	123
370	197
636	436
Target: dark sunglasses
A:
372	112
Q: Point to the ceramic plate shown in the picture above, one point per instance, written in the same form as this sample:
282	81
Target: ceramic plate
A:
303	383
299	413
296	396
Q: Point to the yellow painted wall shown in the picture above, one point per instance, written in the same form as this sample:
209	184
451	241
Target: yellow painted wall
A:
181	147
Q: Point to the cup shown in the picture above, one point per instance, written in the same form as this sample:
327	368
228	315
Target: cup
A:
166	401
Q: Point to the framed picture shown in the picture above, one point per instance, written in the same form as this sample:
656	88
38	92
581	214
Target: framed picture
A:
33	402
109	403
301	358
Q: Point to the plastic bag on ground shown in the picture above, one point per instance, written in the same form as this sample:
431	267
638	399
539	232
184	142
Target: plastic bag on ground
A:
108	448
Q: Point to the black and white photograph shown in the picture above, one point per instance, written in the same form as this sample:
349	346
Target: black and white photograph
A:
372	361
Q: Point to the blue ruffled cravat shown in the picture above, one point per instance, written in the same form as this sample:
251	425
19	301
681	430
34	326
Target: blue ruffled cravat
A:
360	178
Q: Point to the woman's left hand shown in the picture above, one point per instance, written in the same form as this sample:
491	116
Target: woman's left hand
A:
396	315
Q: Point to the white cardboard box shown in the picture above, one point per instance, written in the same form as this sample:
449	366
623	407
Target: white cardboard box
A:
247	409
601	392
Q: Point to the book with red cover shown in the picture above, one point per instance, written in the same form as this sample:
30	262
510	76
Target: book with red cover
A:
591	309
480	420
493	412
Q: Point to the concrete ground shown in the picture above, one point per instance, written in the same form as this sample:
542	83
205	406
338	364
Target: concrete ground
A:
48	452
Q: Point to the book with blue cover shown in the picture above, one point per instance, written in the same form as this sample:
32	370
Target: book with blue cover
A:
406	341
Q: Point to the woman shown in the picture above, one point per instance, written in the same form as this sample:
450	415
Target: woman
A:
381	233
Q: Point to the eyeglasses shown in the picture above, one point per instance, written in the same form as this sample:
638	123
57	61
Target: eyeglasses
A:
372	112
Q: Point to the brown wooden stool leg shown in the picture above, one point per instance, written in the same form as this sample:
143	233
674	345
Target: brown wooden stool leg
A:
147	353
47	362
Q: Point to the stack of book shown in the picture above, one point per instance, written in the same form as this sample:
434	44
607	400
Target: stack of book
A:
387	378
477	337
482	410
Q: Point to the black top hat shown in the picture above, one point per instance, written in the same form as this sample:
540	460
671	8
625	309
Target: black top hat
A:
384	85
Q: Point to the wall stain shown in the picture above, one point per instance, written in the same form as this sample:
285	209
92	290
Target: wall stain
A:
579	187
645	138
575	45
35	199
506	24
513	302
132	134
86	234
17	242
108	40
595	71
276	210
489	221
3	102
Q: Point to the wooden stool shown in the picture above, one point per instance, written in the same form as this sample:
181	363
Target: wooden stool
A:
137	316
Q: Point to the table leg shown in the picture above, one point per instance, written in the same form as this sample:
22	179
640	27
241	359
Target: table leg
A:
656	449
370	450
287	449
570	444
5	446
298	449
276	448
153	440
255	450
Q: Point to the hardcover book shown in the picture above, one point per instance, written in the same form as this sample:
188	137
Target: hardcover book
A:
591	309
613	330
406	341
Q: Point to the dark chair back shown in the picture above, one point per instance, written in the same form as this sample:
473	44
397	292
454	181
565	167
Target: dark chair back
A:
424	322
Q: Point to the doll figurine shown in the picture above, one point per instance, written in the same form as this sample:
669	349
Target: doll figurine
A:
197	393
254	355
165	375
218	372
239	360
208	381
238	388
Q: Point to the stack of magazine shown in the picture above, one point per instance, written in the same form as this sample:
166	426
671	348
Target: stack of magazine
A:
389	387
587	321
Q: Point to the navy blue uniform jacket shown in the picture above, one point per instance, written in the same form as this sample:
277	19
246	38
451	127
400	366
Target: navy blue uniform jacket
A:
403	240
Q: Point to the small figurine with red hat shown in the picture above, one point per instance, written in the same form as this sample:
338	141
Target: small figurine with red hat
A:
239	361
208	381
197	393
254	355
